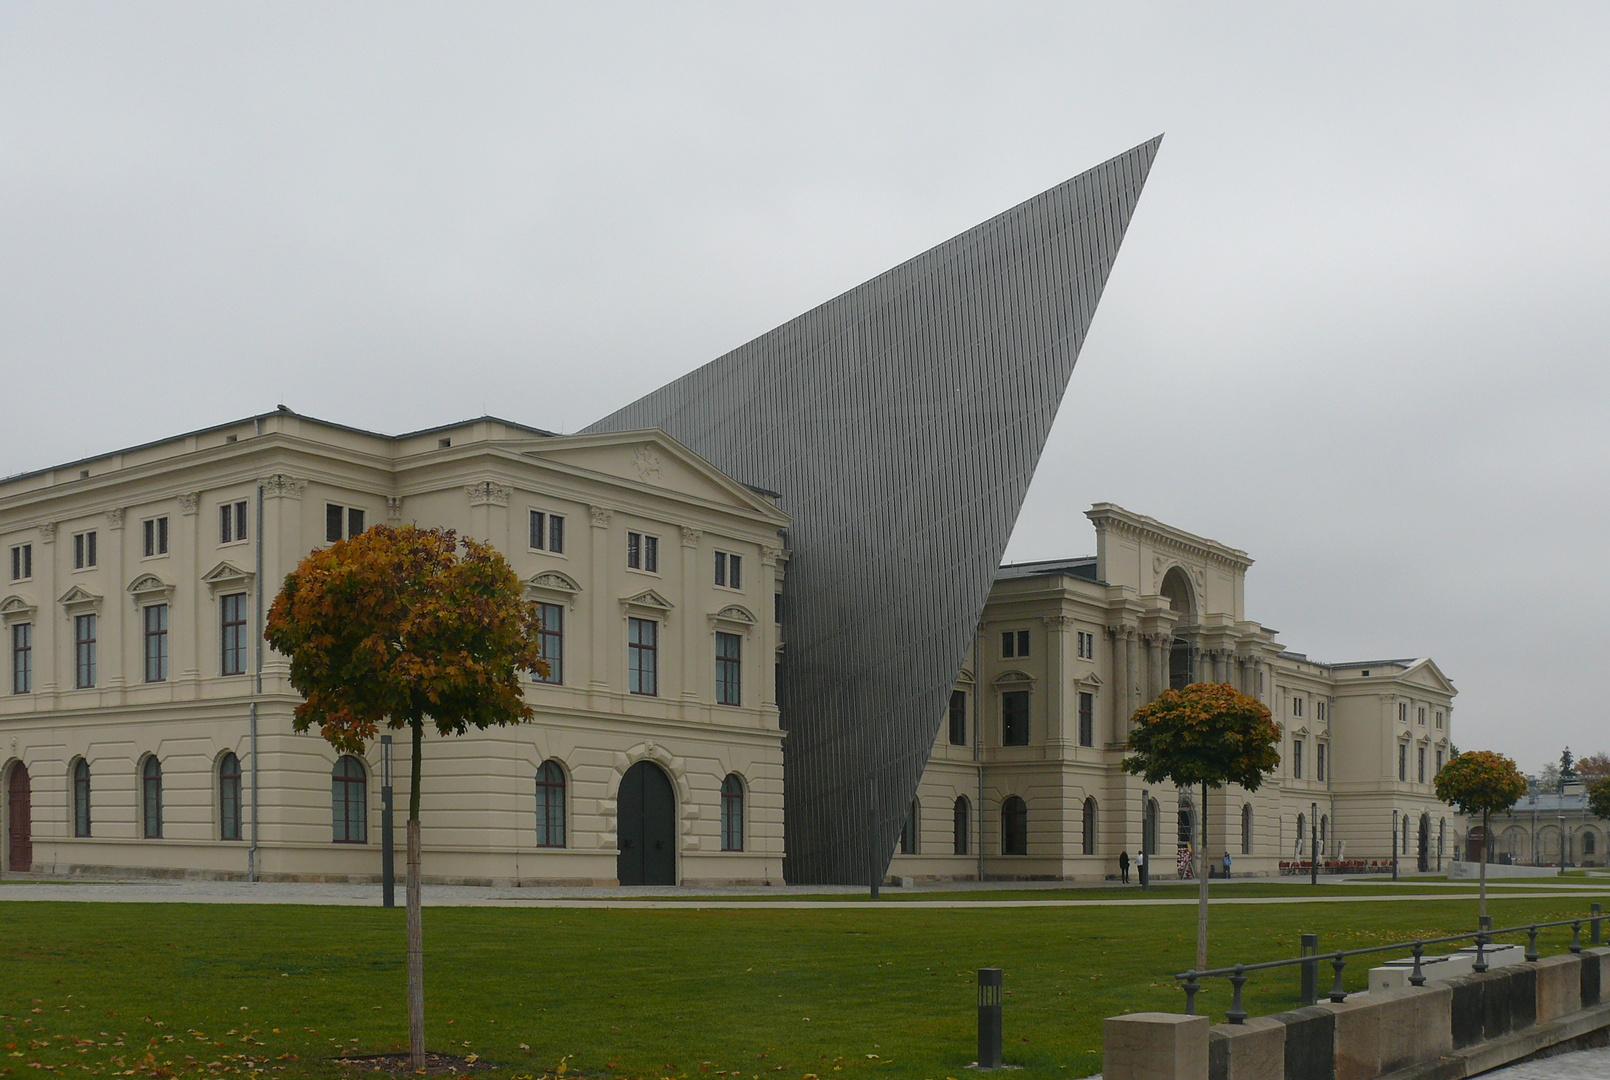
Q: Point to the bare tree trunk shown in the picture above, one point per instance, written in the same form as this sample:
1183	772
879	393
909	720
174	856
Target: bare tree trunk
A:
416	932
1202	888
1481	910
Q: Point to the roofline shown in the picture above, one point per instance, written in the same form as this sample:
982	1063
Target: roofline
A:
280	410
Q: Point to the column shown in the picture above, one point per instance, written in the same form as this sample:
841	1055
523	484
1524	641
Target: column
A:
1119	682
1056	675
1131	678
602	643
690	591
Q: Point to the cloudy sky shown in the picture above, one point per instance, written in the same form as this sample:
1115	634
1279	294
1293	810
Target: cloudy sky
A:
1358	327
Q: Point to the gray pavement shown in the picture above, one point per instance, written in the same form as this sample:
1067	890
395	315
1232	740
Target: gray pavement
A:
927	896
1579	1065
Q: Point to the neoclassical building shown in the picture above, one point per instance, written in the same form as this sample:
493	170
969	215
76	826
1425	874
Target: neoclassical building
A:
1025	779
146	728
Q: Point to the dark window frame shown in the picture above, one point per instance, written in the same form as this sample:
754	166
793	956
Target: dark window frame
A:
342	522
84	631
551	643
155	532
1088	837
729	668
22	562
232	522
1087	718
151	798
232	634
732	813
910	840
85	555
154	639
22	658
229	797
1015	706
1296	759
958	718
551	791
1014	826
961	826
349	801
81	799
642	656
729	571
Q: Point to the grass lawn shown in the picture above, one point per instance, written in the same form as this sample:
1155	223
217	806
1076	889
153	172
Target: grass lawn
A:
171	989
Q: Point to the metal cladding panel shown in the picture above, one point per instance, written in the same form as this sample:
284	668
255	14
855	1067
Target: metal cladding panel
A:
902	421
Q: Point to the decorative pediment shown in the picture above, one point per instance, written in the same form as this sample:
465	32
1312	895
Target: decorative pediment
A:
1301	731
650	603
552	587
150	589
16	609
79	600
735	617
1090	683
1013	676
965	675
226	577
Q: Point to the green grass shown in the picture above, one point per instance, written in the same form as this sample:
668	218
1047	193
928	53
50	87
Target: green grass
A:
171	989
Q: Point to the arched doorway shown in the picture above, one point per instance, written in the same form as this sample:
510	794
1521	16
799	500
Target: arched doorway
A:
645	827
1424	863
19	819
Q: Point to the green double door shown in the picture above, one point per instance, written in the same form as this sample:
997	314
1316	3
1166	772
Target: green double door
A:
645	827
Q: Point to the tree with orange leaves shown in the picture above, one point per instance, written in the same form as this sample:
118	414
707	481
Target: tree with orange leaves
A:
1480	782
1209	734
395	627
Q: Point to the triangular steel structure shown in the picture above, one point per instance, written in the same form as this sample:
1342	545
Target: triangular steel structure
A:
902	423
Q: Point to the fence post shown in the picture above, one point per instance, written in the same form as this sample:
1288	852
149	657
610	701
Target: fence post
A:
1310	969
989	1018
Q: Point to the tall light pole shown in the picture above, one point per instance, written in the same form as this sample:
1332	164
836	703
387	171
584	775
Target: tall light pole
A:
1394	845
1313	843
388	867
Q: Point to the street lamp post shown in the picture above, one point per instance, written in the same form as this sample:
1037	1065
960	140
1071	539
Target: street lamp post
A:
388	868
1145	839
1313	843
1394	845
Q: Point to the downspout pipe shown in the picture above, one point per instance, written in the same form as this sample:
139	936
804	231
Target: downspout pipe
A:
978	739
257	689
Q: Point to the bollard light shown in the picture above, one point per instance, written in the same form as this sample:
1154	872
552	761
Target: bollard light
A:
989	1018
1310	970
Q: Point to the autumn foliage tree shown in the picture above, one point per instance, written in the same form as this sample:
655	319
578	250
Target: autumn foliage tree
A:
1481	782
395	628
1207	735
1599	799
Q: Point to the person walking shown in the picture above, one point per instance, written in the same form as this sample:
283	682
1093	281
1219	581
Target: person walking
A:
1123	867
1227	865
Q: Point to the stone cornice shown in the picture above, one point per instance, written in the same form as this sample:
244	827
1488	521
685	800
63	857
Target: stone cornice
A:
1109	517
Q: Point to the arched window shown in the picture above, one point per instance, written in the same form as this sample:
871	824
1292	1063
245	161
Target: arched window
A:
1088	827
349	802
1246	828
550	805
908	830
229	797
1590	843
1014	826
732	813
151	798
961	825
81	798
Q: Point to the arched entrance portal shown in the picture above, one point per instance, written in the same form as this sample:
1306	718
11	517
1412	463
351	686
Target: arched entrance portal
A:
19	820
1425	843
645	827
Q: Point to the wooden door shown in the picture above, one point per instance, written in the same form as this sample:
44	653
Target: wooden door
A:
19	845
645	827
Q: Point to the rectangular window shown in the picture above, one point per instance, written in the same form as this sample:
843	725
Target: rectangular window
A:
1439	718
1319	710
84	651
232	615
22	562
547	532
1087	719
1319	761
22	658
1296	759
642	656
1403	712
958	718
643	552
156	642
1015	718
1296	706
1439	760
729	570
1422	764
729	669
337	517
1014	643
156	536
551	639
232	522
83	550
1403	761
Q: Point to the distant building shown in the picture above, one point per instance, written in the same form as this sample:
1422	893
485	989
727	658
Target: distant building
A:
1025	781
1548	827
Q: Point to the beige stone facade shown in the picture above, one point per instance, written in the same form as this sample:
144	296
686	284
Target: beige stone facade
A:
124	574
1084	642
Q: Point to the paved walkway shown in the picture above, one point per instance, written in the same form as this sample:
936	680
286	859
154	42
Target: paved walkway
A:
950	895
1579	1065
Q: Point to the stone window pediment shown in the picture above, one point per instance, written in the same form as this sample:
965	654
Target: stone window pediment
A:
150	589
1013	676
226	577
79	600
16	609
1089	683
734	617
552	587
650	604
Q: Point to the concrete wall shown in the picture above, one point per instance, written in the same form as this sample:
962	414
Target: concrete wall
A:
1445	1030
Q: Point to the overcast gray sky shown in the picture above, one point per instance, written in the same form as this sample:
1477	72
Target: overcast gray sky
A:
1358	326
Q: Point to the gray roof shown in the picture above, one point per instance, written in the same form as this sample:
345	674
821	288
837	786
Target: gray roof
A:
1084	567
